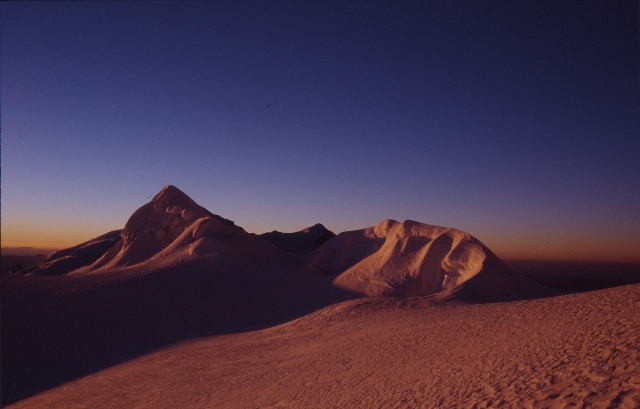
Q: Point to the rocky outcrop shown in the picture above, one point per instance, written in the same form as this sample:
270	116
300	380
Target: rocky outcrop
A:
301	242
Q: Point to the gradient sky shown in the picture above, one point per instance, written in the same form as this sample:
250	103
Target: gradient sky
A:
517	122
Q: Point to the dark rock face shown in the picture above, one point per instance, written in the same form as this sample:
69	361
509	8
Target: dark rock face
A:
327	235
301	242
65	261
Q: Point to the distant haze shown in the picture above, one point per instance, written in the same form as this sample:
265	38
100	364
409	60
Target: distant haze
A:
26	251
516	122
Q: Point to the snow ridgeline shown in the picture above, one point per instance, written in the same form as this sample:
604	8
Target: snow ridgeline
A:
391	259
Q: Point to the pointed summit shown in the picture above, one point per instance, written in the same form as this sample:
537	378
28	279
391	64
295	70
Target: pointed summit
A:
166	216
153	227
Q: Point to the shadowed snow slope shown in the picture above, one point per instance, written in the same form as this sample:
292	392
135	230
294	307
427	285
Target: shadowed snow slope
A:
571	351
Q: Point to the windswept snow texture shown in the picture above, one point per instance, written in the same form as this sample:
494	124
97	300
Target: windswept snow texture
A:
408	259
301	242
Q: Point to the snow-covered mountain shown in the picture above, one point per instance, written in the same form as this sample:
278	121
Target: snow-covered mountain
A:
405	259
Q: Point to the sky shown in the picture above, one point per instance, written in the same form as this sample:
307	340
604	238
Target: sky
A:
517	122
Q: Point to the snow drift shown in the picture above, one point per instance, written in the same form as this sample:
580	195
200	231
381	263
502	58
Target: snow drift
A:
401	259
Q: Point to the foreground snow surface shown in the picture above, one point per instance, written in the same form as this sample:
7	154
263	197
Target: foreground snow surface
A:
577	350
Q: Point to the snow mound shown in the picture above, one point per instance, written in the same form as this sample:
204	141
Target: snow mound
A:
400	259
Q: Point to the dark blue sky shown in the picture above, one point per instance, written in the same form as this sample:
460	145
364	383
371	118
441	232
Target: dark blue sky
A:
507	119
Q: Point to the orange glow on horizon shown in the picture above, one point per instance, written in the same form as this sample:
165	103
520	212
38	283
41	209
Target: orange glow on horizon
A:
48	238
593	250
523	249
